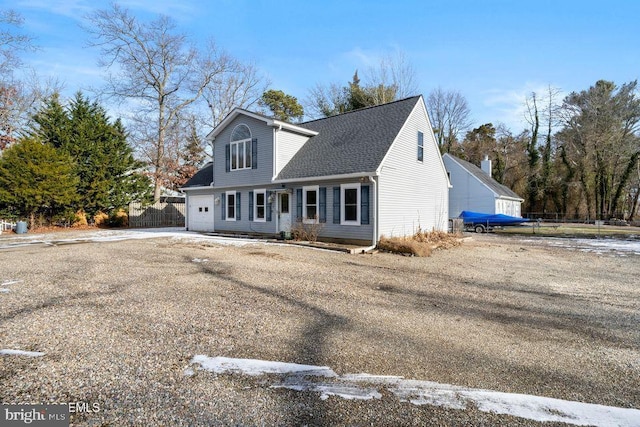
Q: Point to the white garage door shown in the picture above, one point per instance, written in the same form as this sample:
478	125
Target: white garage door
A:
200	215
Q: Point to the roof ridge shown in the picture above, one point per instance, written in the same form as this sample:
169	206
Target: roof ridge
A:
362	109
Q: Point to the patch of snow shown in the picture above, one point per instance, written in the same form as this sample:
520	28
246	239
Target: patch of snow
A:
198	260
605	246
8	352
359	386
4	291
10	282
221	365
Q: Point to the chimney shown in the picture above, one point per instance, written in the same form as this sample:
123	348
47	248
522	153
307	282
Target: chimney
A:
485	165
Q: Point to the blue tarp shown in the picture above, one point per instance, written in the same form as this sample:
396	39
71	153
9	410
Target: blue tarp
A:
472	218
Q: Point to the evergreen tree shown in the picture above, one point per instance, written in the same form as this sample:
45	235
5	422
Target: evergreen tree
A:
36	179
102	158
284	107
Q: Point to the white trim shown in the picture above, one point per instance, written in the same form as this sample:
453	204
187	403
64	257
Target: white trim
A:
350	186
274	166
327	177
226	206
238	142
262	191
202	187
315	188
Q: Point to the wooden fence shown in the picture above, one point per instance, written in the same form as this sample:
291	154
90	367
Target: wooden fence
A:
159	214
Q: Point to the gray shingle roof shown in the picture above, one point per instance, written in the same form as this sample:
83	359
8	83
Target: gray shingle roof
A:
495	186
202	178
352	142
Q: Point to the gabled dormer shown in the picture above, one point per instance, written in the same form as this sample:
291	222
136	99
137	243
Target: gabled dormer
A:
250	148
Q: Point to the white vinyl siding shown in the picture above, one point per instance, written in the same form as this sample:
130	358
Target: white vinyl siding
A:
287	145
413	195
468	193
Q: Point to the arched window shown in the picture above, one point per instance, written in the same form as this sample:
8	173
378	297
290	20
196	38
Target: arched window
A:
240	148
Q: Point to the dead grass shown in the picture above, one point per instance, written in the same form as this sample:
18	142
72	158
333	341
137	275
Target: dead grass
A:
421	244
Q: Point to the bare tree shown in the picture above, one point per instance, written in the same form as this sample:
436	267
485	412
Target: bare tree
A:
12	41
19	99
393	78
239	85
450	116
158	70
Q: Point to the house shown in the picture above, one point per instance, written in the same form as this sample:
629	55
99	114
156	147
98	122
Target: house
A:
473	189
356	176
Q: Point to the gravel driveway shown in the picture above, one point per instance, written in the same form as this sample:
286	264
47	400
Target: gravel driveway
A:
120	322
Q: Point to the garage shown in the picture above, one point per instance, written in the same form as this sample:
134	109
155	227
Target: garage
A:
200	213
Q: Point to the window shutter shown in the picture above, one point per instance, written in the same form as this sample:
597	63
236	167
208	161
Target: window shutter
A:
224	206
227	157
267	214
238	206
364	204
299	204
254	153
322	214
336	205
250	205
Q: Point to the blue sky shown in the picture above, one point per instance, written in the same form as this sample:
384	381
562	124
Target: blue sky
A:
494	52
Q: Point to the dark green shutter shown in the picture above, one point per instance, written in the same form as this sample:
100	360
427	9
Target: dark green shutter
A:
224	206
227	157
238	206
254	153
267	214
364	204
336	205
322	206
299	204
250	205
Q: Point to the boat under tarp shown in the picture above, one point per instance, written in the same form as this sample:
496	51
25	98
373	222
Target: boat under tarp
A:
490	220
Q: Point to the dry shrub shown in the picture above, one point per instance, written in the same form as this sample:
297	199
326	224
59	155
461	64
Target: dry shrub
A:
119	218
310	232
438	239
80	219
420	244
101	219
404	245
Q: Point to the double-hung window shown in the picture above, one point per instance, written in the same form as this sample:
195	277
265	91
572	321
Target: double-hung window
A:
231	205
259	205
350	206
240	148
420	146
310	204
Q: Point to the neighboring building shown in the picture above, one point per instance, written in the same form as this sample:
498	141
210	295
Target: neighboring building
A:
473	189
359	175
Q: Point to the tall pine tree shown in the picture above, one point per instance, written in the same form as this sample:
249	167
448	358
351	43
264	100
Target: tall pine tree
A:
109	176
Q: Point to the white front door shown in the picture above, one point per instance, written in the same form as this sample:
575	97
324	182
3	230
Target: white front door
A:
284	212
